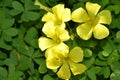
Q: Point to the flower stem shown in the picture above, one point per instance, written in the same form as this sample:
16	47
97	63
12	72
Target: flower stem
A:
42	6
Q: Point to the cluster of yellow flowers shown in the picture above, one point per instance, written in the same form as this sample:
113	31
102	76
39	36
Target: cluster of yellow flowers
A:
58	56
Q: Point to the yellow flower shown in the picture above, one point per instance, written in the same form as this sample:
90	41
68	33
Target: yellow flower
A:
92	21
58	16
55	36
68	62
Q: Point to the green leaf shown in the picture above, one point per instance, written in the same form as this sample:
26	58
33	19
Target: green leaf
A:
1	63
103	3
105	54
4	45
13	58
38	60
89	62
115	23
15	12
115	66
106	71
87	52
37	54
100	62
102	56
91	74
14	74
115	2
3	55
109	47
113	57
31	34
114	8
88	43
18	6
7	37
34	43
51	2
47	77
42	67
11	32
29	16
29	52
6	3
24	63
3	73
20	45
2	17
118	35
8	23
29	5
115	75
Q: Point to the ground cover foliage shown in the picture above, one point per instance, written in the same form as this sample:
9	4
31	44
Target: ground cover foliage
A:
22	59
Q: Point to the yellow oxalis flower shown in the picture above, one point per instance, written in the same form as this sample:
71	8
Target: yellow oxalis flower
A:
68	62
55	37
58	16
92	21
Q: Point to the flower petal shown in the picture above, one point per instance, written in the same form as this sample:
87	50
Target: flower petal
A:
61	48
53	63
100	31
53	60
49	30
80	15
105	17
63	34
77	68
58	10
66	15
64	71
62	25
84	31
48	17
76	54
92	8
45	43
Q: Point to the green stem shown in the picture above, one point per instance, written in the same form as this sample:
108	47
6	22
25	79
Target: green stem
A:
42	6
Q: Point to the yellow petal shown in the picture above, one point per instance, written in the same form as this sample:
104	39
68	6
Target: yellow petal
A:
63	34
64	49
45	43
76	54
64	71
62	25
92	8
77	68
48	17
105	17
53	60
100	31
61	49
49	30
84	31
58	10
80	15
53	63
66	15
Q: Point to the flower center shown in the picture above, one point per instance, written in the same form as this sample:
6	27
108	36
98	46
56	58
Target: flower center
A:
93	21
58	41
